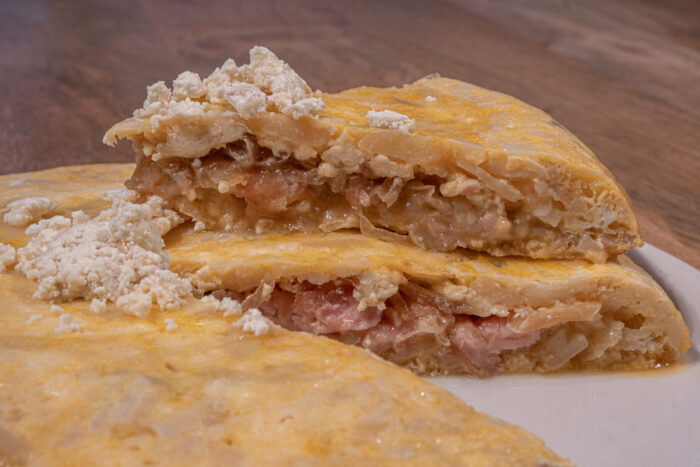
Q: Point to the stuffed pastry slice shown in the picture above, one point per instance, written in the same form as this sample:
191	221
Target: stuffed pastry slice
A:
188	388
442	313
250	149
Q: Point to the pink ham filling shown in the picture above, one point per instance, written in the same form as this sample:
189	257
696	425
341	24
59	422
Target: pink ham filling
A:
330	309
323	309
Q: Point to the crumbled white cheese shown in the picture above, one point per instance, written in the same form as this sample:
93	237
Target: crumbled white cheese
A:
34	317
54	223
197	163
117	256
135	303
459	184
66	324
8	256
28	210
247	99
223	187
157	96
277	79
462	294
200	226
266	84
305	107
221	77
327	170
374	287
188	85
227	305
430	99
56	309
456	292
230	307
98	306
391	119
382	166
253	321
177	110
171	324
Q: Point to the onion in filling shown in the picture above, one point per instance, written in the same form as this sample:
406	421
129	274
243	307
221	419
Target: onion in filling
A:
249	189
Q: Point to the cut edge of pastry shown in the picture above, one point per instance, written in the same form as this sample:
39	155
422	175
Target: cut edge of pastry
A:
443	313
506	178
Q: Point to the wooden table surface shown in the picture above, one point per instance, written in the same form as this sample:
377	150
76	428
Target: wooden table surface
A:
623	76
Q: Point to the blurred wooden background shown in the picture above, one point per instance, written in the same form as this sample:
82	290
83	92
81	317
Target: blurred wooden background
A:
624	76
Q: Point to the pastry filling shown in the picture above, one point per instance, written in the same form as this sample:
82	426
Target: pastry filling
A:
424	330
249	189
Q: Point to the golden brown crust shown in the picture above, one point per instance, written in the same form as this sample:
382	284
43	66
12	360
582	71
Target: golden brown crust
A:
123	391
75	188
520	152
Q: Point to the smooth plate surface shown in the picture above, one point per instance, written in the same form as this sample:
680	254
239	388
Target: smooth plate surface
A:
616	419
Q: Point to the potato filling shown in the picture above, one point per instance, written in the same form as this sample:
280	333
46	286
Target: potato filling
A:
246	188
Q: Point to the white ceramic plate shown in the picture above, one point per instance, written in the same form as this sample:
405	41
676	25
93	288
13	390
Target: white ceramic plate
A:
610	419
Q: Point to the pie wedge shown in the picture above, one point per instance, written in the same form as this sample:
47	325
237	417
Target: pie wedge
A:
442	313
250	149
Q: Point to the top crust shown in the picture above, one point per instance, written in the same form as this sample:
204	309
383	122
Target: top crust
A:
192	388
435	126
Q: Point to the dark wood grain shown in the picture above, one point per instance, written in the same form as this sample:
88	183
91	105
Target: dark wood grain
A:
624	76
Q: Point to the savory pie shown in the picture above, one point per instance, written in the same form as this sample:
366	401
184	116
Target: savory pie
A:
442	313
109	389
85	386
250	149
437	313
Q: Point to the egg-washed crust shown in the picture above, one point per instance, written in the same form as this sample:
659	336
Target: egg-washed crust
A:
523	157
74	188
123	391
